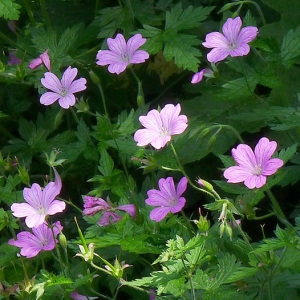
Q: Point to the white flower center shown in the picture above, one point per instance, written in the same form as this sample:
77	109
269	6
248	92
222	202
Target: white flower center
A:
125	57
63	92
41	209
164	132
232	45
257	170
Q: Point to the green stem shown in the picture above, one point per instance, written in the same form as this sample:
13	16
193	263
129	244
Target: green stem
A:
140	97
184	173
277	210
264	217
100	269
190	280
259	11
103	99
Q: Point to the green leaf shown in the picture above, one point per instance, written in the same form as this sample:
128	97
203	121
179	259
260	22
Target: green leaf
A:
290	47
181	19
9	9
287	154
181	47
106	163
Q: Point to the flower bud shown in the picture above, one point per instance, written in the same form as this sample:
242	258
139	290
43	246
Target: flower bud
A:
62	240
95	79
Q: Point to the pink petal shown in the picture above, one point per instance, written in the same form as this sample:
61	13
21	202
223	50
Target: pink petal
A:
109	218
157	198
218	54
245	157
46	60
152	121
118	44
159	213
77	85
134	43
231	29
106	57
68	77
67	101
35	63
197	77
52	83
264	150
117	67
129	208
160	142
49	98
139	57
272	166
56	206
144	137
49	193
180	204
215	40
182	185
255	181
236	174
247	34
21	210
35	220
241	50
33	195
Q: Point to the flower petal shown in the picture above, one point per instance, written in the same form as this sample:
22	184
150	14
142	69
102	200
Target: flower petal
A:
241	50
218	54
134	43
118	44
247	35
68	77
264	150
129	208
272	166
51	82
236	174
67	101
159	213
231	29
106	57
255	181
49	98
77	85
117	67
215	40
182	185
244	157
139	57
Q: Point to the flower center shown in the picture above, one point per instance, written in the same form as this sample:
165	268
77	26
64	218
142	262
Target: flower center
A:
257	170
41	209
125	57
164	132
232	45
63	92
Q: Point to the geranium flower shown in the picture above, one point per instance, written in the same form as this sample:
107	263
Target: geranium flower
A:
40	203
253	168
121	54
197	77
234	40
160	126
40	239
42	59
167	198
93	205
62	90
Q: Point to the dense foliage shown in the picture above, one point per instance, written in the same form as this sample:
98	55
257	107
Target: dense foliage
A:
149	149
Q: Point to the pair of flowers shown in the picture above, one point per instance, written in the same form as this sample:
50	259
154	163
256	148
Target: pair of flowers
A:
118	58
39	204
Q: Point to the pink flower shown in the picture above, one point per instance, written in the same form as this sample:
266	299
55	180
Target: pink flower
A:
41	239
42	59
197	77
74	295
121	54
233	41
167	198
40	203
160	126
93	205
253	168
62	90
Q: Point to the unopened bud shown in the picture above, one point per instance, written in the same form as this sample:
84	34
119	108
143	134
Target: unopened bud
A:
62	240
95	79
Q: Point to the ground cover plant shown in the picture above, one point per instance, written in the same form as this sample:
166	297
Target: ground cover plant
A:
149	149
